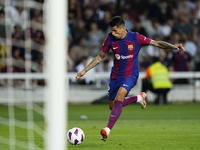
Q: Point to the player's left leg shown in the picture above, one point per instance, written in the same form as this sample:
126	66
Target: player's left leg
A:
128	83
127	100
131	99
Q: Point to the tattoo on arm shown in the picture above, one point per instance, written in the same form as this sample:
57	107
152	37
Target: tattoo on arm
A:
95	61
162	44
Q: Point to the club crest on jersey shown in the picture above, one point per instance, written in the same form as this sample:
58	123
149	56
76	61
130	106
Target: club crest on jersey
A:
130	47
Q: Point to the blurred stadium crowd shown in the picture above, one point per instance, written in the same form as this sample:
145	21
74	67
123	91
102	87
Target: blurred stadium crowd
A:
174	21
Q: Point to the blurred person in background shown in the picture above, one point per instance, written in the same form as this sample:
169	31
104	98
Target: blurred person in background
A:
185	6
128	22
182	24
157	28
195	14
190	46
157	81
18	37
138	6
197	10
98	13
18	60
38	40
18	33
95	36
128	8
104	23
162	11
165	57
113	8
125	46
152	51
110	58
2	24
181	62
167	27
3	53
34	12
74	11
17	14
78	31
146	22
138	27
175	37
88	16
16	67
81	49
83	63
197	42
153	9
104	69
144	61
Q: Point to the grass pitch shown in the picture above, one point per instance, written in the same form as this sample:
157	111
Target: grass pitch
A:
170	127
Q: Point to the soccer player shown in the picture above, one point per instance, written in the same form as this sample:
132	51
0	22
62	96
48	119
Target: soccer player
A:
125	46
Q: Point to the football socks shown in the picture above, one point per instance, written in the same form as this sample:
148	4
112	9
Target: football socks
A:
130	99
115	113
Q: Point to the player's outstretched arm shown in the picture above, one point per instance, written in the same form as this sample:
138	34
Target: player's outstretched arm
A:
92	64
165	45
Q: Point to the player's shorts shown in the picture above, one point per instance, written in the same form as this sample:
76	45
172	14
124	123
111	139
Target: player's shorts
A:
128	83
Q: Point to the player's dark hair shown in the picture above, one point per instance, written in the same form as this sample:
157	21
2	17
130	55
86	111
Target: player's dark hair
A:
116	21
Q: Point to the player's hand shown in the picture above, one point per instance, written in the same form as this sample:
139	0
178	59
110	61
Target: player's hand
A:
80	74
180	47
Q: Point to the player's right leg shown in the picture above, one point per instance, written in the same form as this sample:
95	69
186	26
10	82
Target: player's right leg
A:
114	115
118	95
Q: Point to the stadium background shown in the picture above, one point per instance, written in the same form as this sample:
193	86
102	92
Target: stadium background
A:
168	20
170	127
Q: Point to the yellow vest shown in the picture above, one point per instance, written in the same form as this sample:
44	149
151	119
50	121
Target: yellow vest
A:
160	76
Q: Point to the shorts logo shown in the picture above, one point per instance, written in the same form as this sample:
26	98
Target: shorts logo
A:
130	47
125	85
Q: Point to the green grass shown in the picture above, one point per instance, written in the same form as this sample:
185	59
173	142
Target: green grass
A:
170	127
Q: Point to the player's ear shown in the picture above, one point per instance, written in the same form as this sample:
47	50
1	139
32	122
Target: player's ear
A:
123	27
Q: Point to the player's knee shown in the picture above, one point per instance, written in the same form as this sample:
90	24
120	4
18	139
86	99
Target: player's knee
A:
110	107
119	96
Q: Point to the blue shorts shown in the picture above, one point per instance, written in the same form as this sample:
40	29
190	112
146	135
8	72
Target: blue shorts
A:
128	83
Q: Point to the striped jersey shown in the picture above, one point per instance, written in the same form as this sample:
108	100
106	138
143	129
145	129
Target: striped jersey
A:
125	53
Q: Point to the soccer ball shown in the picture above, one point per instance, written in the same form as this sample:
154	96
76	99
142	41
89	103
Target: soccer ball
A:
75	136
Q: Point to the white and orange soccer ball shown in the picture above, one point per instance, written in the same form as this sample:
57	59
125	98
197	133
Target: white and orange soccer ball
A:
75	136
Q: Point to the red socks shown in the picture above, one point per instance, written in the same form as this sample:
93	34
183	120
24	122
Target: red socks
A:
117	109
129	100
115	113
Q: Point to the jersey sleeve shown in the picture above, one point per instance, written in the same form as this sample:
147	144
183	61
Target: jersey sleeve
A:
106	47
142	40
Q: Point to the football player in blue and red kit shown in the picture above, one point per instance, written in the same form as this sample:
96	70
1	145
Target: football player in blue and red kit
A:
125	46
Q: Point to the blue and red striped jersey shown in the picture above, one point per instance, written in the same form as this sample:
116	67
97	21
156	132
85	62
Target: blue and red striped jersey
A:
125	53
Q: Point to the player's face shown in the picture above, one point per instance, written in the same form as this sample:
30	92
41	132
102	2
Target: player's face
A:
118	32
